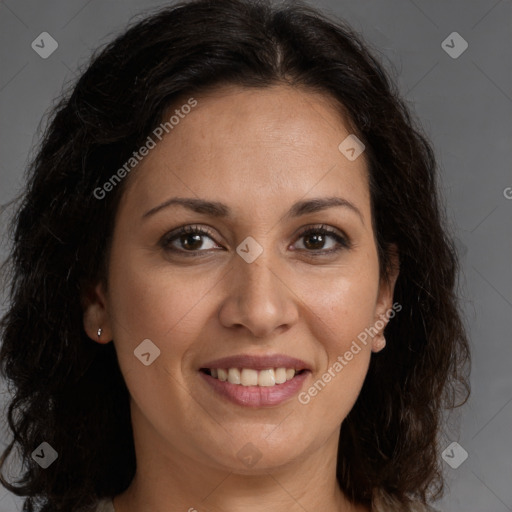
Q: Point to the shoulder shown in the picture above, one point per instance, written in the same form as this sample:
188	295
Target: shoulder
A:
105	505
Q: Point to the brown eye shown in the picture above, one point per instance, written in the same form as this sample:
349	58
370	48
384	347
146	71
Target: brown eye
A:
316	238
191	242
189	239
314	241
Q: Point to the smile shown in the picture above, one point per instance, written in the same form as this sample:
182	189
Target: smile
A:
251	377
254	395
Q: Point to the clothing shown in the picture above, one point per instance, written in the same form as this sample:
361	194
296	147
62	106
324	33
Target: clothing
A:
382	503
105	505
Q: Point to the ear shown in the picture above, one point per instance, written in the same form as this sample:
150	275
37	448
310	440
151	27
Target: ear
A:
385	299
96	316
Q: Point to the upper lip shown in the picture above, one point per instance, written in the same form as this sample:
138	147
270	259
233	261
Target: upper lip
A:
258	362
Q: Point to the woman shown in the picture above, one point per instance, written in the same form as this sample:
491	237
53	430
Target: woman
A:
231	284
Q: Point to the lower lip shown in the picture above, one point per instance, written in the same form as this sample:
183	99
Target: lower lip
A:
257	396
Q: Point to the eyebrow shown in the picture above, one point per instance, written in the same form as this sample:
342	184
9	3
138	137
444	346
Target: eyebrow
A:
220	210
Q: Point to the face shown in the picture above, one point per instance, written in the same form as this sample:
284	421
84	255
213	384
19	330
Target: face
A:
244	281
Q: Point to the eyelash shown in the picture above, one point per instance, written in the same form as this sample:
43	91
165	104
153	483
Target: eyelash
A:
343	241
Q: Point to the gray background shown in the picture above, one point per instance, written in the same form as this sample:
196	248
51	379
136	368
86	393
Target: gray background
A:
465	106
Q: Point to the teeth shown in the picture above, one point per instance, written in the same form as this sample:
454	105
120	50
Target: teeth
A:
266	378
250	377
234	376
280	374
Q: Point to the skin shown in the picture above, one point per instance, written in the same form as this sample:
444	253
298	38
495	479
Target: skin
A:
258	151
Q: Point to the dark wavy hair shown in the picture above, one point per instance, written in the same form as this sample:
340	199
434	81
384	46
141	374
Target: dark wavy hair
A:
69	391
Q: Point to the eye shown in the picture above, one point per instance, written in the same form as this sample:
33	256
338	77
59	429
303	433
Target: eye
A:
316	237
188	239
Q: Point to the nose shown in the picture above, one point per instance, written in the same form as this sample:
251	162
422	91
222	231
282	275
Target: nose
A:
258	297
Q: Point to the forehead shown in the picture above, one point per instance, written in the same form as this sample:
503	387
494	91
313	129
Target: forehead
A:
269	144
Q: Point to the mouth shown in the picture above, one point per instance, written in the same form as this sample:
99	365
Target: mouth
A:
255	381
249	377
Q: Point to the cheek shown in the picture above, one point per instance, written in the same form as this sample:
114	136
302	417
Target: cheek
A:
344	303
161	305
334	388
165	307
343	309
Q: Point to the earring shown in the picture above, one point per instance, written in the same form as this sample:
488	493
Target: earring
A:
99	333
379	344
